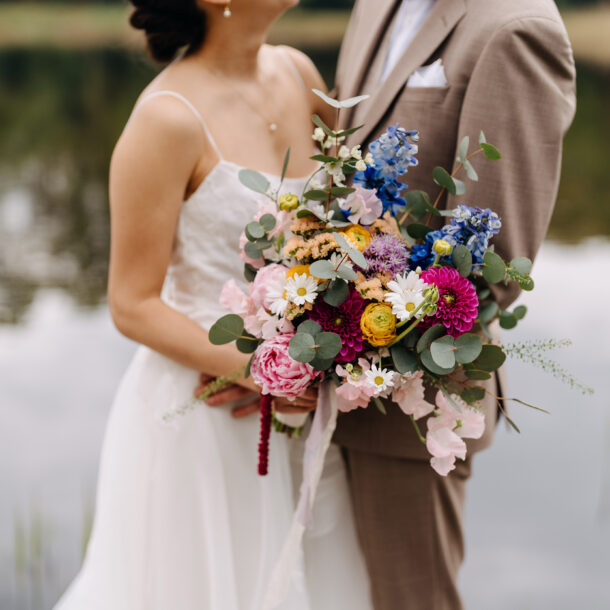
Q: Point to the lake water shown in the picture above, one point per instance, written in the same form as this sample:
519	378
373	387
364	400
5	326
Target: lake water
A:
538	514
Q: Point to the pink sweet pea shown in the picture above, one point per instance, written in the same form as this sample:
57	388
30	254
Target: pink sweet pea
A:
409	395
354	392
364	206
236	300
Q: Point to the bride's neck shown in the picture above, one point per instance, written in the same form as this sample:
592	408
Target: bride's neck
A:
232	46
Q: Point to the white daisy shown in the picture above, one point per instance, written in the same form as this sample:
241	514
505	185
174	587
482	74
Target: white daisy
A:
380	379
276	296
406	295
301	289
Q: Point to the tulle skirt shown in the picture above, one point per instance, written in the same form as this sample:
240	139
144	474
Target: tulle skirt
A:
184	522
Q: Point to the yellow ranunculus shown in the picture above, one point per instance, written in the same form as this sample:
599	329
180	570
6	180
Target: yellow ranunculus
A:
378	324
300	270
289	202
358	236
442	247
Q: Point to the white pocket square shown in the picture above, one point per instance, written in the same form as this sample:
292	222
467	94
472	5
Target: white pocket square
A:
432	75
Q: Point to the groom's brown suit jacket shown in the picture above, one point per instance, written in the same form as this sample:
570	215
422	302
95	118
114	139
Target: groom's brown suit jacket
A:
510	73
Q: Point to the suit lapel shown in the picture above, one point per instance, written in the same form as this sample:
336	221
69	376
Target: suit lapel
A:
370	29
441	21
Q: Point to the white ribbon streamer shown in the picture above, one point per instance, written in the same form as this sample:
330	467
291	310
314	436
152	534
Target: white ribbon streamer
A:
318	442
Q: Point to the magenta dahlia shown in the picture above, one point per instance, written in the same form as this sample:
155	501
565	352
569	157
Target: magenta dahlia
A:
458	304
345	321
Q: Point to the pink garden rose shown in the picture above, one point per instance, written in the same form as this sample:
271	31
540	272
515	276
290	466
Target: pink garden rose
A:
276	373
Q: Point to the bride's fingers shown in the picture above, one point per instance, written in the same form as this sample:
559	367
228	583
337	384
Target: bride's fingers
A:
204	378
233	393
241	412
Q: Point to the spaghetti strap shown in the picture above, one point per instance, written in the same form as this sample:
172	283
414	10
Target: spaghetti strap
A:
293	68
191	107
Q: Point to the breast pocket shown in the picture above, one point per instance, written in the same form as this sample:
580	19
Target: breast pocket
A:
423	95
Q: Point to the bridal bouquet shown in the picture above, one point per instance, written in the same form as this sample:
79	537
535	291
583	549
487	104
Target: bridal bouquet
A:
348	282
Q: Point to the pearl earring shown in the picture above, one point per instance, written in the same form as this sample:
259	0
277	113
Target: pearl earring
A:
227	12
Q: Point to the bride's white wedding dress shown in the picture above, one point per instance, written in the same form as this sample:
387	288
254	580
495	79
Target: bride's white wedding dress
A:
183	521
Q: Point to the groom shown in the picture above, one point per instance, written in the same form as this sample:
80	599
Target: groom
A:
448	68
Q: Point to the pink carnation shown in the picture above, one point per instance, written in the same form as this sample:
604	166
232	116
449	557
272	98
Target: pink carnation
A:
276	373
236	300
458	304
271	274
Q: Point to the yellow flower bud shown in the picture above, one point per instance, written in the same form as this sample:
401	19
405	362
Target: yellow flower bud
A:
289	202
442	247
378	324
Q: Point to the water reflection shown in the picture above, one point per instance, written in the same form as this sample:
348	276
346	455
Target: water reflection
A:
60	114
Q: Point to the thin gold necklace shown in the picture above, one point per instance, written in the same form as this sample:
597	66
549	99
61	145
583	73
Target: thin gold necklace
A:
271	125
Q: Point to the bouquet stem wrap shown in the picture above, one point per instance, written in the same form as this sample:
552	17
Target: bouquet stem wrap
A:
316	446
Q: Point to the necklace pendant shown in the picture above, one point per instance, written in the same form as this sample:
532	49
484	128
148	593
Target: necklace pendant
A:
273	127
227	12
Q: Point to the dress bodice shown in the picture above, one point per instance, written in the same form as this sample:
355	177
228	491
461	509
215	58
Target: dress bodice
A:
206	250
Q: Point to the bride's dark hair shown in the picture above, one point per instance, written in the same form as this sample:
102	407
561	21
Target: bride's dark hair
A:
169	25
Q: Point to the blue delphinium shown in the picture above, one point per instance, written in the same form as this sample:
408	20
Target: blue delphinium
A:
471	227
393	153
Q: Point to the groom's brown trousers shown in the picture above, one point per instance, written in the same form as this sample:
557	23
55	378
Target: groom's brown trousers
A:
510	72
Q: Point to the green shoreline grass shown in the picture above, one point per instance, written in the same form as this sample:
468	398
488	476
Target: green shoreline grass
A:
73	26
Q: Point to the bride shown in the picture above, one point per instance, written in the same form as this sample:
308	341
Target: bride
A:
183	521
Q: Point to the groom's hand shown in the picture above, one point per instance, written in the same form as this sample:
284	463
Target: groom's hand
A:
232	393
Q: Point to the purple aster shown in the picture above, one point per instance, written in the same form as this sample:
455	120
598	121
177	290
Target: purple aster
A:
458	304
386	254
344	321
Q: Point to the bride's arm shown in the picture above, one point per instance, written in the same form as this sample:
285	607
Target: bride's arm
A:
152	166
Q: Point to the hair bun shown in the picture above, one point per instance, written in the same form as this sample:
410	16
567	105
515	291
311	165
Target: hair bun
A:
169	25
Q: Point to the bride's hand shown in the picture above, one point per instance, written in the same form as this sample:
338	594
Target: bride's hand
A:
304	403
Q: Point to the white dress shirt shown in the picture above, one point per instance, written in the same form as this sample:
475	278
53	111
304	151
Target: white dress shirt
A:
411	16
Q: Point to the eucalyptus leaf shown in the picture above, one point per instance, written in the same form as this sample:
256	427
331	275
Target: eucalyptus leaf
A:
329	345
309	327
492	358
405	361
379	404
520	312
254	180
522	265
254	231
488	312
339	224
321	364
323	270
268	222
507	319
443	178
526	283
316	195
418	205
462	259
341	191
471	395
428	362
429	336
468	348
349	132
304	213
324	159
463	149
443	352
226	329
247	343
285	165
249	272
491	152
470	171
482	139
460	187
347	273
478	375
483	293
418	231
494	269
252	250
337	293
302	348
318	122
355	255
